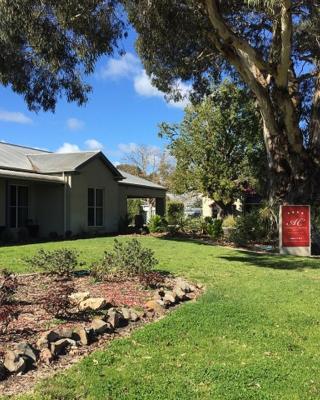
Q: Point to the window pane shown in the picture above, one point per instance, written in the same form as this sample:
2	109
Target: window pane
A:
99	197
22	216
90	216
12	217
23	196
99	217
13	195
90	197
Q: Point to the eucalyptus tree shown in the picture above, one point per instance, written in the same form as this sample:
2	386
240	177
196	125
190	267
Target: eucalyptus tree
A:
47	46
271	46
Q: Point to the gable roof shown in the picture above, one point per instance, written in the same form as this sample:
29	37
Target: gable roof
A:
20	158
137	181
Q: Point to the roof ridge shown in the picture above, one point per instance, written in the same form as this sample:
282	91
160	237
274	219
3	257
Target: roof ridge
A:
25	147
74	152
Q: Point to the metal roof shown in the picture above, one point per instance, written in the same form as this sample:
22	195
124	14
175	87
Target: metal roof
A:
59	162
5	173
15	157
137	181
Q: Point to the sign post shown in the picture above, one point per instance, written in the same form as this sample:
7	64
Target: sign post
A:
295	230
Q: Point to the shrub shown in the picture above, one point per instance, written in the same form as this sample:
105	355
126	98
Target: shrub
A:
8	312
229	222
248	228
157	224
60	262
57	301
126	259
214	229
175	212
194	225
8	287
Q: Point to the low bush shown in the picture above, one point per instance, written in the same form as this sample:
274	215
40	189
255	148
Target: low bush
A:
8	311
157	224
248	228
194	225
214	229
125	259
57	300
61	262
175	212
229	222
8	287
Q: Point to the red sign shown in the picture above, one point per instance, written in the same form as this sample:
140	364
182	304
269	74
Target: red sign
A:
295	226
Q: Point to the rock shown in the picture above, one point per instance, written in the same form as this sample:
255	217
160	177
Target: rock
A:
192	288
134	317
14	363
65	333
126	313
46	356
183	285
169	298
93	304
47	338
78	297
154	306
115	318
100	327
3	372
81	335
180	294
25	350
199	286
60	346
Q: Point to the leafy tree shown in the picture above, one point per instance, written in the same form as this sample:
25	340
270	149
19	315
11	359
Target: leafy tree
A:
218	146
46	46
271	46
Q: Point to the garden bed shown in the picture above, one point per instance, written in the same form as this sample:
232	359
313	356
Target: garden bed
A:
34	321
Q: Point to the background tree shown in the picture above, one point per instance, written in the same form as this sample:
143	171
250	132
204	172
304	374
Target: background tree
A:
47	46
151	163
218	147
271	46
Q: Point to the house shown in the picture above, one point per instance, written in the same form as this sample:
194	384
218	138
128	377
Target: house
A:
69	192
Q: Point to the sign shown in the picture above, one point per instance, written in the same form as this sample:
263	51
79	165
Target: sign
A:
295	236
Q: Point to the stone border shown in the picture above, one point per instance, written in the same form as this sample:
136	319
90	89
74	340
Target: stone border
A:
63	347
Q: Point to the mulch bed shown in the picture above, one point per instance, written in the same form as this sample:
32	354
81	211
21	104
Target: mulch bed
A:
33	319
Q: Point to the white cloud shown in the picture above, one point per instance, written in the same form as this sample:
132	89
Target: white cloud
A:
127	147
143	86
93	144
125	66
129	66
69	148
75	124
17	117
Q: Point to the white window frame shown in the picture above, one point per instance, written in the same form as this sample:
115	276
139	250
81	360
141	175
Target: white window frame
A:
95	207
17	207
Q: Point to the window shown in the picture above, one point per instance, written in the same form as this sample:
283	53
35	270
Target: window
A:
95	207
18	206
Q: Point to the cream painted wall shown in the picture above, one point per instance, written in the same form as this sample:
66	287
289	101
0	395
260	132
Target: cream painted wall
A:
49	213
93	175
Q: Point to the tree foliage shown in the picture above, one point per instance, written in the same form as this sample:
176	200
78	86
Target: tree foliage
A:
219	147
47	46
271	46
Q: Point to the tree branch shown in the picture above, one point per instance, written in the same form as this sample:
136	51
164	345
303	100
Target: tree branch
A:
239	44
286	44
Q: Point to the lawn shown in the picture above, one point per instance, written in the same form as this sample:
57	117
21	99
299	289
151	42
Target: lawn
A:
254	334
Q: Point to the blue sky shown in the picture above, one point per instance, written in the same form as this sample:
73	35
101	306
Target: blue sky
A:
123	110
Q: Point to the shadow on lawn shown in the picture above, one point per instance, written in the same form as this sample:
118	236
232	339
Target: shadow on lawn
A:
274	261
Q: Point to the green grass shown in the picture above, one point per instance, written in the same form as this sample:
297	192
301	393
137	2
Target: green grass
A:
255	333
